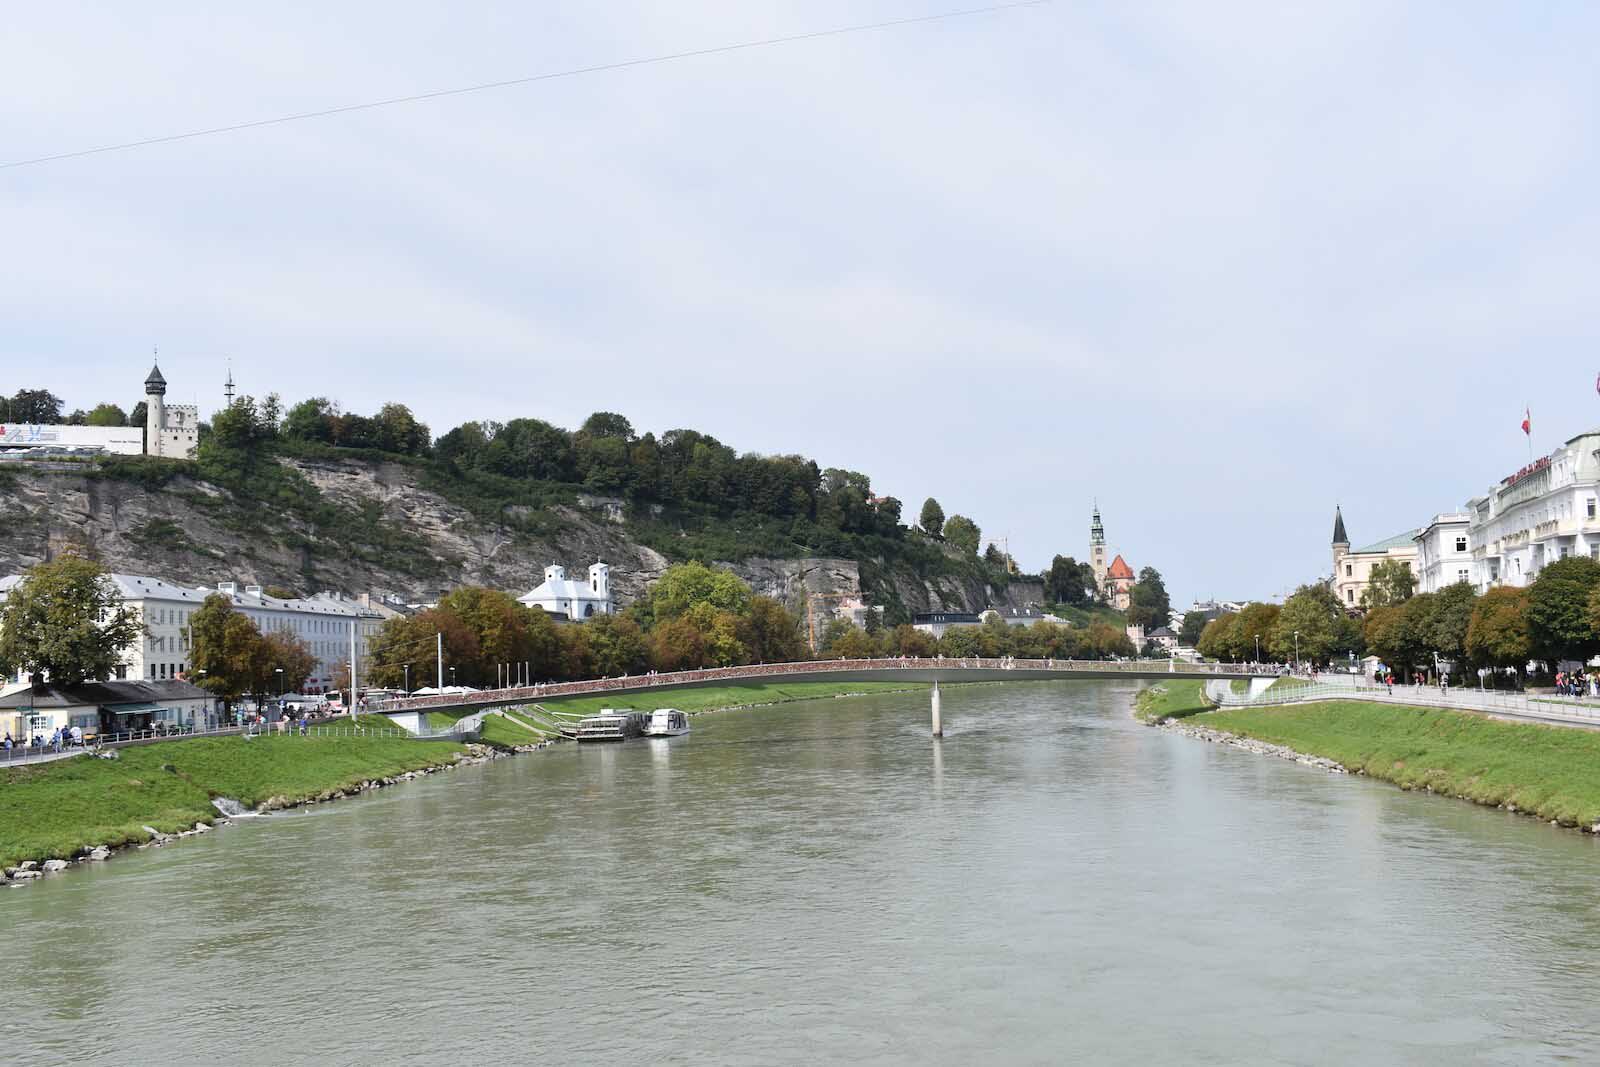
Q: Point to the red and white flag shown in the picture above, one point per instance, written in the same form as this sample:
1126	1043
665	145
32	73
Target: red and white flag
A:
1527	421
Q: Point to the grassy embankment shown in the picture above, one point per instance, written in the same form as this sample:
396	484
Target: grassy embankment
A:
57	809
1551	771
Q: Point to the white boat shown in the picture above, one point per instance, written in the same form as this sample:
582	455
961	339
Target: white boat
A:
611	725
666	722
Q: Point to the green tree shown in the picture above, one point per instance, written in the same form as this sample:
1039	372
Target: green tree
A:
1393	636
850	642
932	518
1313	614
1390	582
1148	603
1216	638
963	533
1449	620
311	420
397	430
65	619
616	644
107	415
1194	623
1256	620
1068	581
413	641
684	585
1497	636
290	654
33	405
230	657
1558	617
139	414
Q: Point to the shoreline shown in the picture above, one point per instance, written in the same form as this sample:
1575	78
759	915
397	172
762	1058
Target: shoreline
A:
1200	731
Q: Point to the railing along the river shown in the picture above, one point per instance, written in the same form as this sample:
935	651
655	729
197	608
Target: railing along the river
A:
550	690
1548	707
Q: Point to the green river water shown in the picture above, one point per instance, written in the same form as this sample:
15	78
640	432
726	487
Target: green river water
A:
821	882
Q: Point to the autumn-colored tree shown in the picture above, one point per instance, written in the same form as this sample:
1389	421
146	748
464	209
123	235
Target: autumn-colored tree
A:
676	645
907	640
413	640
770	633
293	656
616	645
1216	640
1497	636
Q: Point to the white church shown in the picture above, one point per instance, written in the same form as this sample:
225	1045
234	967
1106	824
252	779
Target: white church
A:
577	600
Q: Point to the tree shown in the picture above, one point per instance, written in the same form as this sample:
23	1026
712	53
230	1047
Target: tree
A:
1558	617
292	655
1392	635
1194	622
1216	637
1148	603
907	640
33	405
932	518
66	619
1256	620
1497	635
139	414
994	557
1390	582
230	657
616	645
770	632
1068	581
106	415
311	420
413	641
1312	611
684	585
963	534
1102	641
397	430
676	645
850	642
1444	630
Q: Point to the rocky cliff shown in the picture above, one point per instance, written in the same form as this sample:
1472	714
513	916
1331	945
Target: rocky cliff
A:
365	527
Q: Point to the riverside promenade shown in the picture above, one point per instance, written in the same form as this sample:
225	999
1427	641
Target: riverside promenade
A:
1529	707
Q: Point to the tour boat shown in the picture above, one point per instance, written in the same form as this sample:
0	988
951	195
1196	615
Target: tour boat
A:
666	722
611	724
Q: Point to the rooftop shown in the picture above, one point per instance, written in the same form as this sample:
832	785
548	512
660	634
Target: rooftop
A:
1400	540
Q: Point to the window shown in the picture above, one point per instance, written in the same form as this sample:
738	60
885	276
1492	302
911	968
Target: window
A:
1461	576
1347	570
1564	551
1349	596
1461	544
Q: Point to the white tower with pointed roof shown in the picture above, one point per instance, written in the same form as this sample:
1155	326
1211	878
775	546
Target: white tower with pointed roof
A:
171	431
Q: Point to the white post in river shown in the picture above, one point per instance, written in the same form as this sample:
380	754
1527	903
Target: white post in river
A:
352	670
938	727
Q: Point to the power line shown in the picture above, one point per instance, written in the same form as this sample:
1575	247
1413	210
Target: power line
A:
530	79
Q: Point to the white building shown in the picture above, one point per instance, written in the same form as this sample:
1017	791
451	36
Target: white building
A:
576	600
1544	512
1352	568
171	430
104	707
1444	553
323	622
938	623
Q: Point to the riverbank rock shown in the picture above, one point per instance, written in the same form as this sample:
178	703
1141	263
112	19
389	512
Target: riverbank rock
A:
52	866
99	853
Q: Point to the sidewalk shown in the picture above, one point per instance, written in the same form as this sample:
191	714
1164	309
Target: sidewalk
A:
1531	707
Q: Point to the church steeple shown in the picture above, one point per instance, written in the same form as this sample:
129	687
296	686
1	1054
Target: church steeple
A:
1097	530
1339	536
155	384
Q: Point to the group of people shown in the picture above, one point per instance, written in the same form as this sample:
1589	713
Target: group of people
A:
63	738
1576	684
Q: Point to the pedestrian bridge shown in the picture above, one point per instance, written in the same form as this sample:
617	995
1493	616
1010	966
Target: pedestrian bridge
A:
934	671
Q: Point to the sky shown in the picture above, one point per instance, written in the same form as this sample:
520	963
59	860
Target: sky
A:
1218	267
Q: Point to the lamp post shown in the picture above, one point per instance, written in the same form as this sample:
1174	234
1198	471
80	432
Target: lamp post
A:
1258	648
279	671
452	677
1297	650
408	679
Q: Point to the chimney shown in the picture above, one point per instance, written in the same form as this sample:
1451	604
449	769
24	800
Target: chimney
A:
227	587
252	590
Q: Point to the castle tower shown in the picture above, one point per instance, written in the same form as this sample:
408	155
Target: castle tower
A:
1097	549
155	411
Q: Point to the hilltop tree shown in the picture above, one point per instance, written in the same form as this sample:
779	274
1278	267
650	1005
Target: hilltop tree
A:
106	415
932	518
963	534
1391	582
66	619
1148	603
1558	617
31	405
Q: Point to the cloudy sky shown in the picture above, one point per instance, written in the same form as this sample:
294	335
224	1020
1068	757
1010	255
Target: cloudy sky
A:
1220	266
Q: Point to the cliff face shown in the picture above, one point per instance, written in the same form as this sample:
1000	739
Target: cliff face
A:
375	529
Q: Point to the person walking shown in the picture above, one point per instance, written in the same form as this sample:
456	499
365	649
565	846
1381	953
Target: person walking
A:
1388	681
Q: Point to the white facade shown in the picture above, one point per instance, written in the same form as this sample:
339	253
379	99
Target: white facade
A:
322	622
576	600
1544	512
117	440
1444	553
1352	568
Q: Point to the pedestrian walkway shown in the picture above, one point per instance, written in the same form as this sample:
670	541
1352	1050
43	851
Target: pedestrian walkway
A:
1532	707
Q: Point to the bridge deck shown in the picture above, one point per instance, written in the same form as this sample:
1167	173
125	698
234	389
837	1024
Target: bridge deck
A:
873	670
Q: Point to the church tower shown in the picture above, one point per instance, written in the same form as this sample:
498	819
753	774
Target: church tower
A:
1341	542
155	411
1097	549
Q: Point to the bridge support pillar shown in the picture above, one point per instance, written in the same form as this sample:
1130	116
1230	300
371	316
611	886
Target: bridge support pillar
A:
938	725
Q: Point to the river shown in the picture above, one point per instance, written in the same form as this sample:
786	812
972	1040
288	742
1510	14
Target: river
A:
822	882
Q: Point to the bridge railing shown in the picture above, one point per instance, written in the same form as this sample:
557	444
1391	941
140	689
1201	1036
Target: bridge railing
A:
551	690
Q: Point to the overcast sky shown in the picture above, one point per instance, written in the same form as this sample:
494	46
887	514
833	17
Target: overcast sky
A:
1220	266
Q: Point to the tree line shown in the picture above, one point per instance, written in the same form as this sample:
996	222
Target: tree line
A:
1555	619
43	406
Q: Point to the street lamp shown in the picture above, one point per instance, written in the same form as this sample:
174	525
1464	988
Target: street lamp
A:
280	689
1258	648
1297	650
408	679
452	677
